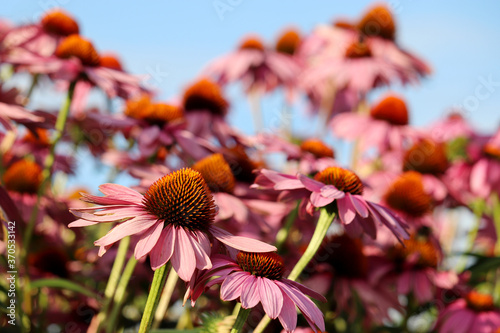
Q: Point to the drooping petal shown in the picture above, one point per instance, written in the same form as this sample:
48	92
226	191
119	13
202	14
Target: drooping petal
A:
305	305
359	203
310	184
307	291
330	191
288	315
318	200
162	251
148	241
347	212
240	243
271	297
121	192
183	259
81	223
250	294
232	286
202	257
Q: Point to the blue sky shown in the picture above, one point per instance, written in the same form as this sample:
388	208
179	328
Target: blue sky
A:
177	39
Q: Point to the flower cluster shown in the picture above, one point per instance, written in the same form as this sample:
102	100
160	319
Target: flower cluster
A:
400	234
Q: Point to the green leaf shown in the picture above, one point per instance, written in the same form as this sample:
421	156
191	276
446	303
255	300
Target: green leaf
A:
484	264
65	284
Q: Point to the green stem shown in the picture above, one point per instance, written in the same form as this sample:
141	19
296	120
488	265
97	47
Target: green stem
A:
282	234
166	295
47	170
496	221
327	214
153	299
32	88
113	279
120	293
325	220
478	210
240	320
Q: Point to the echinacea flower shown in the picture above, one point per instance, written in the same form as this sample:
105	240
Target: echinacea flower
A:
345	267
76	58
41	38
407	196
255	278
385	127
475	312
173	220
342	186
257	67
415	267
485	172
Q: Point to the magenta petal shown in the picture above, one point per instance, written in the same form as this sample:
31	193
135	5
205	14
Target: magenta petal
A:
317	200
162	251
359	204
308	308
202	258
240	243
310	184
288	315
148	241
81	223
307	291
183	259
331	191
347	212
281	181
250	293
232	286
271	297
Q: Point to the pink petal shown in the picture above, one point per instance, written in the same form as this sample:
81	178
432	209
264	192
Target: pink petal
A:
130	227
308	308
318	200
271	297
250	294
240	243
202	258
310	184
162	251
347	212
359	203
232	286
81	223
183	259
148	241
121	192
331	191
288	315
307	291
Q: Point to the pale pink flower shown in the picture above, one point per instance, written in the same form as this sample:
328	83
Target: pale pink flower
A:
173	220
385	127
341	186
451	127
485	172
257	67
254	278
473	313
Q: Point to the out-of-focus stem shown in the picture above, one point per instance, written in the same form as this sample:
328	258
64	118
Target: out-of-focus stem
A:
120	294
166	295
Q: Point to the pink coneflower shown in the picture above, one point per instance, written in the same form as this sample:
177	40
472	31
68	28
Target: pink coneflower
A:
173	220
75	58
415	267
385	127
41	38
255	278
428	157
344	268
407	196
257	67
485	172
205	110
453	126
342	186
473	313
